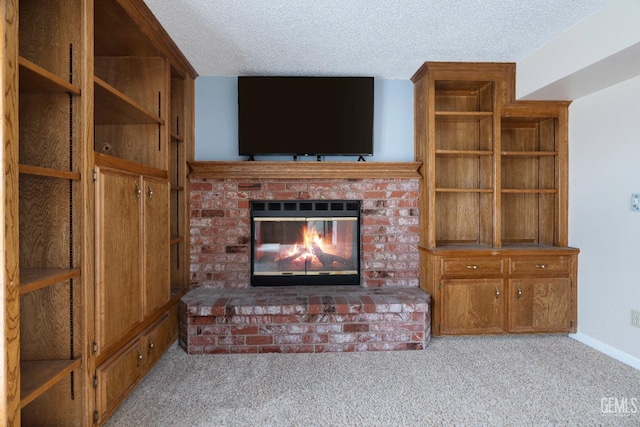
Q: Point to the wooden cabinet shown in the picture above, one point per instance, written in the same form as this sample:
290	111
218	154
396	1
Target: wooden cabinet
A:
494	205
96	98
480	291
133	252
116	377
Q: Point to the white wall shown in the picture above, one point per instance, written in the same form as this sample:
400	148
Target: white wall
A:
217	121
597	65
604	170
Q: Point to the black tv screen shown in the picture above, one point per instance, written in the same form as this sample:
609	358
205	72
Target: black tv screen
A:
313	116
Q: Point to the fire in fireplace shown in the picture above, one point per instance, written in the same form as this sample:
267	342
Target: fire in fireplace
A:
305	242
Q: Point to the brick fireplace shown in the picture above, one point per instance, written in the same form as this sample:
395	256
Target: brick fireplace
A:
386	311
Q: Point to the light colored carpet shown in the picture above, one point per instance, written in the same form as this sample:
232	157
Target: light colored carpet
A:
468	381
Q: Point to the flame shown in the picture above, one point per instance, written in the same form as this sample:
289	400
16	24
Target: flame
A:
311	236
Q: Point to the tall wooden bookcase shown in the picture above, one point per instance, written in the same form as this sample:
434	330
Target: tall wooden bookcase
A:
97	131
494	236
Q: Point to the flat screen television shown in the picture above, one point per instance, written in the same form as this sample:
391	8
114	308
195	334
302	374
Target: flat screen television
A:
300	116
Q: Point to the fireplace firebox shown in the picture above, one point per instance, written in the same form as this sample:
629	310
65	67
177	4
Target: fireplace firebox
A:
305	242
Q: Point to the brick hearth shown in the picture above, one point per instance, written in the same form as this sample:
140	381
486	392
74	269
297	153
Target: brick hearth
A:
304	319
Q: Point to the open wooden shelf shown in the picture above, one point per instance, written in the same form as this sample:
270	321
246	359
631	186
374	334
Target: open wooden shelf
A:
114	107
104	160
32	279
38	376
304	169
36	79
48	172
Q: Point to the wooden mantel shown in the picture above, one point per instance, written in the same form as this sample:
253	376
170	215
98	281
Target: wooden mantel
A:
304	169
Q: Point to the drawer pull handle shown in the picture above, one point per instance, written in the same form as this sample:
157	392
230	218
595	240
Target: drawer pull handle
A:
497	292
542	266
519	294
472	267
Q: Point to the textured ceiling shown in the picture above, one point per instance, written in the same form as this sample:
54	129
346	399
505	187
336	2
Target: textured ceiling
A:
381	38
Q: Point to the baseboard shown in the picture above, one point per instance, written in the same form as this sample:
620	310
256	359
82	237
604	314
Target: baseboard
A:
623	357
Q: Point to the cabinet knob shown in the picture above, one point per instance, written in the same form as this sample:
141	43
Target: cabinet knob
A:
149	191
542	266
472	267
497	292
151	345
519	293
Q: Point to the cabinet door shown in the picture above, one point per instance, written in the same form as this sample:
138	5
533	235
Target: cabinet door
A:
472	306
156	243
117	376
541	305
118	265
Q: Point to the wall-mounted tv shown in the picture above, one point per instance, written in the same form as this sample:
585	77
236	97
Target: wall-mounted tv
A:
299	116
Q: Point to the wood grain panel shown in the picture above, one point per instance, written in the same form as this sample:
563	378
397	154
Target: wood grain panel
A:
304	169
47	34
44	222
143	79
118	287
541	304
43	141
44	323
472	306
117	376
9	231
156	244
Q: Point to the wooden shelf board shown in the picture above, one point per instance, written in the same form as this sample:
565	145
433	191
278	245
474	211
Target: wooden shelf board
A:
177	188
38	376
32	279
113	107
36	79
303	169
104	160
463	249
462	116
528	153
528	190
463	153
464	190
176	240
48	172
176	137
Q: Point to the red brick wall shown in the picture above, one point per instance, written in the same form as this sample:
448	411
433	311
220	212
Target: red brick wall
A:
220	229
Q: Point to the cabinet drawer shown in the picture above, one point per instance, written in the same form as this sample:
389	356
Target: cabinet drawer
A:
159	337
472	267
117	376
538	266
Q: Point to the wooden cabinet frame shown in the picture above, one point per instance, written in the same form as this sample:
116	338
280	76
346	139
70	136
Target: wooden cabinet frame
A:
86	84
495	187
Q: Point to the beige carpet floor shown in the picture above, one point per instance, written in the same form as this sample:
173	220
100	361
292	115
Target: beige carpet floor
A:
464	381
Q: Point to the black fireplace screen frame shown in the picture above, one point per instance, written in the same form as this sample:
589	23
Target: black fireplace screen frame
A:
311	209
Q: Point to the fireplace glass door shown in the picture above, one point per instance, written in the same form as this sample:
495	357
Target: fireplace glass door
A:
295	249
